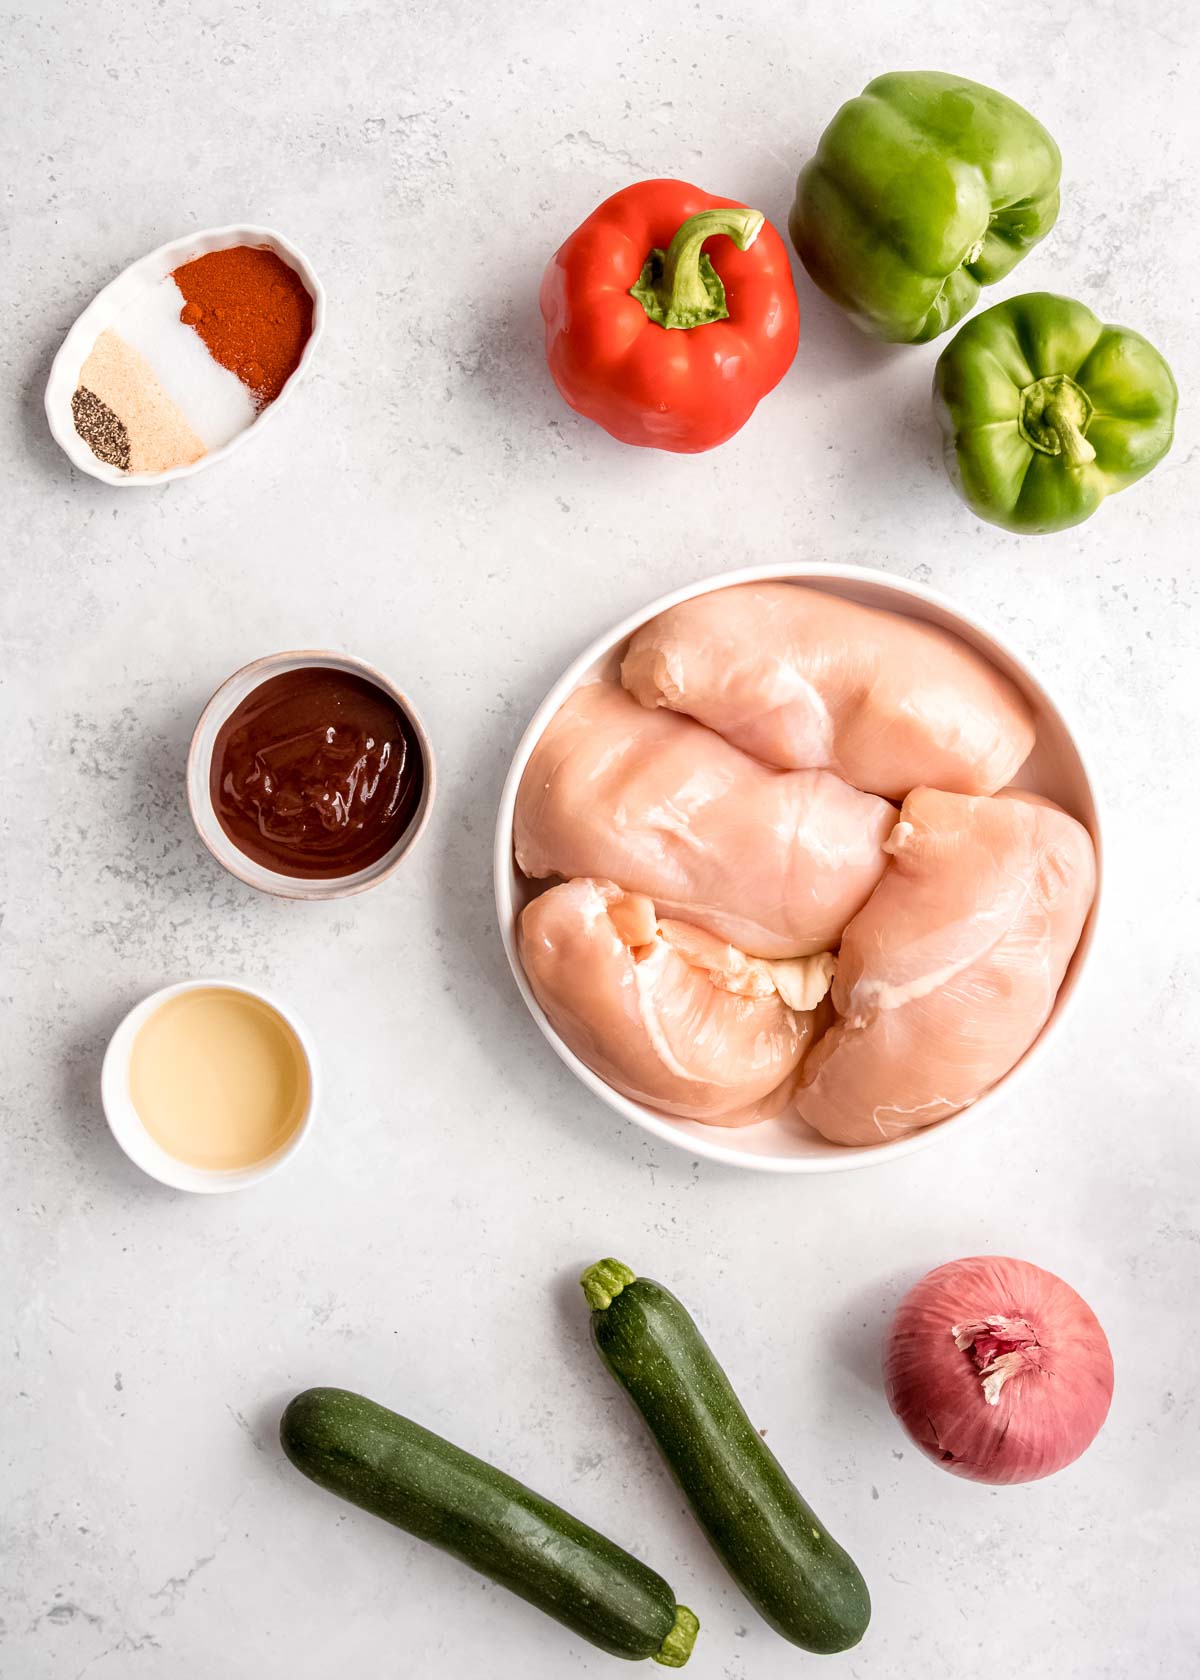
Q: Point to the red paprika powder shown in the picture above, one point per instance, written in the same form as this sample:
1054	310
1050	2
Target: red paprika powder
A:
253	312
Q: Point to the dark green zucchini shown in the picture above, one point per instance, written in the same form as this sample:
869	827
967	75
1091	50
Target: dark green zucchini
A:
411	1477
782	1557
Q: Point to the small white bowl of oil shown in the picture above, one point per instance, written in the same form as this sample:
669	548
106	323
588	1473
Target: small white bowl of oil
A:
209	1085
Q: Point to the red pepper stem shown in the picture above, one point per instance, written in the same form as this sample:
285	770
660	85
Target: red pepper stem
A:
679	287
681	283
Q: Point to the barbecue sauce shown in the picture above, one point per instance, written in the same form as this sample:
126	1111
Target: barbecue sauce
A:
317	773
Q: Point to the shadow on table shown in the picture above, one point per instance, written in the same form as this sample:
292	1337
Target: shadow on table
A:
503	357
856	1337
86	1130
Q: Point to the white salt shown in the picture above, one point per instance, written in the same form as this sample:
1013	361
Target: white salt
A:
215	401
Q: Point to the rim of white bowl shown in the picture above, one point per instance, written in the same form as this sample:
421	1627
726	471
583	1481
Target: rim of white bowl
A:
842	1158
199	767
77	345
129	1130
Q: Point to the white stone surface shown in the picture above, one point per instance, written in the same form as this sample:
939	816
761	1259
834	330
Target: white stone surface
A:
428	503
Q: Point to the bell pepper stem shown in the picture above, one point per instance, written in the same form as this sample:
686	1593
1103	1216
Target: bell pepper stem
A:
682	287
1075	447
679	287
1055	413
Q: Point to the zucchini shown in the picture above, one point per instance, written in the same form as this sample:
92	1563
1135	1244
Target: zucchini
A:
785	1561
412	1478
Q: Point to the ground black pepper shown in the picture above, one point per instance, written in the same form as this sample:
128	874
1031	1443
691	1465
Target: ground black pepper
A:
100	428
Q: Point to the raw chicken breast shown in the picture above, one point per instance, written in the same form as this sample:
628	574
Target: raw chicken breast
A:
948	975
807	681
775	862
664	1013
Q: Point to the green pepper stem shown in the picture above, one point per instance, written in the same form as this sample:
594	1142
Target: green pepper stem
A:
604	1281
1054	414
1075	447
676	1648
679	287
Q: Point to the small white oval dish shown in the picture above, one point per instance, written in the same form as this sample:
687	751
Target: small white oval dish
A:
118	297
126	1123
1056	767
199	771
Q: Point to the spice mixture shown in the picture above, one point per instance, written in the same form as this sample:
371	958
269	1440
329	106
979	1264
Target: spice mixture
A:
100	429
191	361
124	382
252	311
218	406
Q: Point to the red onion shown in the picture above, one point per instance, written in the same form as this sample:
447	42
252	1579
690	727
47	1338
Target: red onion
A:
998	1370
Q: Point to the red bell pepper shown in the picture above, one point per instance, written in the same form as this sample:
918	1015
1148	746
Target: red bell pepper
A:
659	342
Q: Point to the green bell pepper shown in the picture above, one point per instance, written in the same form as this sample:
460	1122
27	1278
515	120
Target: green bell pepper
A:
923	189
1047	410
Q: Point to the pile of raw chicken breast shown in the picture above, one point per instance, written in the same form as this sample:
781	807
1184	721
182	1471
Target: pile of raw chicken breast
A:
794	881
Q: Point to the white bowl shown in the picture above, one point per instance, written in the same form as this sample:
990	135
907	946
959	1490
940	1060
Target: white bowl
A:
125	1122
199	765
104	309
1056	768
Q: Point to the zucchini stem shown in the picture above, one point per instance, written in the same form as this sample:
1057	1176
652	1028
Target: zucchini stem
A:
676	1648
603	1282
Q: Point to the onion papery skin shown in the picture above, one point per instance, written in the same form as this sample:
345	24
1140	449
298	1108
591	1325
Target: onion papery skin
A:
1050	1396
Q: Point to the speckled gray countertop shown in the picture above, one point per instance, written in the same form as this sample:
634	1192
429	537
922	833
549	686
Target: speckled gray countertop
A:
428	503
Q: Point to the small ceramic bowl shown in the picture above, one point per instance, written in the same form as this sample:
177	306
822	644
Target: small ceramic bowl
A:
199	768
1056	768
108	304
125	1122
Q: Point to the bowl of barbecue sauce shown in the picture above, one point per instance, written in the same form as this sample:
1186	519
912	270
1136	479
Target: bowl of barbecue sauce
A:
310	775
